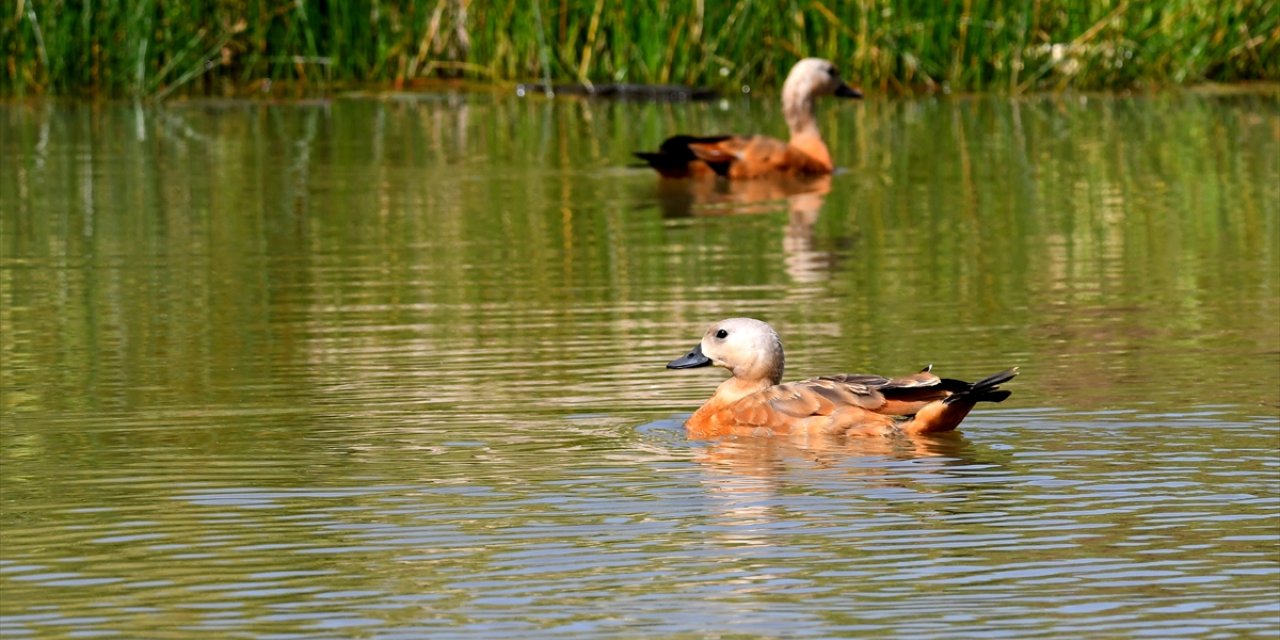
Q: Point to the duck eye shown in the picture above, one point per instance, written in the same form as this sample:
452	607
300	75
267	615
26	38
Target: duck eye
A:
833	72
722	334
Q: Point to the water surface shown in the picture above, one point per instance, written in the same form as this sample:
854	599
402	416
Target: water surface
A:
394	368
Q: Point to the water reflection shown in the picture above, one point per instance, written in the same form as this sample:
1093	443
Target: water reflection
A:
1070	222
376	366
801	197
766	457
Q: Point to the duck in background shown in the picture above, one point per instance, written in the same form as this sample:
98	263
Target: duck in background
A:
757	156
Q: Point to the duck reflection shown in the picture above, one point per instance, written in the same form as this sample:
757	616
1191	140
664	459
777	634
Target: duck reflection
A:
802	197
752	484
764	457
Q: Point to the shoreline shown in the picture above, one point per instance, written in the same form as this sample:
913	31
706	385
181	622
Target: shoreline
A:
292	93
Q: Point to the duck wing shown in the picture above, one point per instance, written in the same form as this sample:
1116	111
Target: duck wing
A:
675	158
905	395
755	156
740	157
824	396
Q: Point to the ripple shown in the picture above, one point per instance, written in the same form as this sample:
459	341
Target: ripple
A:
386	370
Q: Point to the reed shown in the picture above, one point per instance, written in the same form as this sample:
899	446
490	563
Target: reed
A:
156	47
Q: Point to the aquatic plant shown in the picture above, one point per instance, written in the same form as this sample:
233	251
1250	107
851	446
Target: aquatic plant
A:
156	47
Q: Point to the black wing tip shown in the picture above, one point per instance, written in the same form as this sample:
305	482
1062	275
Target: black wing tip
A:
721	168
674	153
987	389
996	379
683	139
997	396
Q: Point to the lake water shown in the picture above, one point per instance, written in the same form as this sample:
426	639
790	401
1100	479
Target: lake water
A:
393	367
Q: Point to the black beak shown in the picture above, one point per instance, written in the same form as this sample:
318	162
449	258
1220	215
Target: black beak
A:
691	360
846	91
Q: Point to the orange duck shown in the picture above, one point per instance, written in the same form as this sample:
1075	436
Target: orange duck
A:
742	157
754	402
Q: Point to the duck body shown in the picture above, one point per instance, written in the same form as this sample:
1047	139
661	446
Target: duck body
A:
754	402
738	157
756	156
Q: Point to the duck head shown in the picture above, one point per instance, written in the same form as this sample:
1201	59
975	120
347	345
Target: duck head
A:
748	348
810	78
817	77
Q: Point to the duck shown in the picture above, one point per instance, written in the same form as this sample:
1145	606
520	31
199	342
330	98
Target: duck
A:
758	156
755	402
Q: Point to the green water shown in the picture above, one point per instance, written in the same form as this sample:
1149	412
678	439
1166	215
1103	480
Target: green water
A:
394	368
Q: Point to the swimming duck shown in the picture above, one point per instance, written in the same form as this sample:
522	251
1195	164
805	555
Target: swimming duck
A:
741	157
754	402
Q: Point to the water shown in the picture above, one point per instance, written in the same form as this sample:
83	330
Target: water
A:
393	368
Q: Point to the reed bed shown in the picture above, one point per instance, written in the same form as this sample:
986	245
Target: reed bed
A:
152	48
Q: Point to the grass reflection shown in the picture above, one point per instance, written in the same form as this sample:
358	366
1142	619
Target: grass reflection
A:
230	252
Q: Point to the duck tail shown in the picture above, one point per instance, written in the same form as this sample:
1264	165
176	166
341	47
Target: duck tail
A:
664	164
673	157
987	389
945	415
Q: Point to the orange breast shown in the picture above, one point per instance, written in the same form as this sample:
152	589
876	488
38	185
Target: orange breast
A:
754	415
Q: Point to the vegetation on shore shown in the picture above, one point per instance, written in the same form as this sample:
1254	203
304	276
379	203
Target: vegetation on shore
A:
152	48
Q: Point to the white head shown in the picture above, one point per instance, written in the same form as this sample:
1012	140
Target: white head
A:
810	78
748	348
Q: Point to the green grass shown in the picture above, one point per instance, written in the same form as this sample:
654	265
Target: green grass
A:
151	48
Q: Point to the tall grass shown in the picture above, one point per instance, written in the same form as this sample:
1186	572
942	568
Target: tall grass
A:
155	47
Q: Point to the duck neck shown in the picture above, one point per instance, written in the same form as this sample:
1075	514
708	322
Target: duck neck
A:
805	135
798	110
735	388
